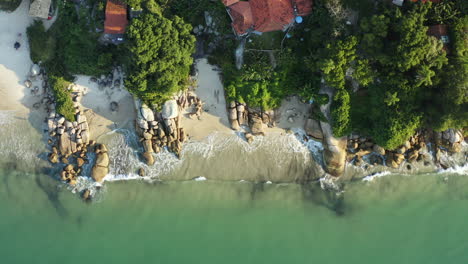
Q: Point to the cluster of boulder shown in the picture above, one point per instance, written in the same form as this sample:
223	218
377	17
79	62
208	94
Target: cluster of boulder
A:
69	174
413	150
450	140
112	80
240	115
163	129
69	140
353	148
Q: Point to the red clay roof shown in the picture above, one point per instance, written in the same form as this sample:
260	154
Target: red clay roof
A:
271	15
116	17
241	16
265	15
229	2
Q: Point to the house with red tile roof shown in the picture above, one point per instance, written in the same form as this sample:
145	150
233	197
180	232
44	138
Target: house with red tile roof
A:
261	16
116	21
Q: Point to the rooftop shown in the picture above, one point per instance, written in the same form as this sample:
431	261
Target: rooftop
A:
39	8
116	17
265	15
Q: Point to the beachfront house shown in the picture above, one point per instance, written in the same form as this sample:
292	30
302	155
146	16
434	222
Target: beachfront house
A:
260	16
40	9
116	21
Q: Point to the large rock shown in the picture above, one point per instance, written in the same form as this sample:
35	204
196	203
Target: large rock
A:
102	160
35	69
170	109
233	114
53	157
98	173
65	144
453	135
334	154
148	145
378	149
235	124
149	159
256	125
147	113
313	129
143	124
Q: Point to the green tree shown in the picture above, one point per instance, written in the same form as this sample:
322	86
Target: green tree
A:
41	43
160	52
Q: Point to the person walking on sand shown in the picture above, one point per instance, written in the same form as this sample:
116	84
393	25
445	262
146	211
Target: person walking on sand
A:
17	44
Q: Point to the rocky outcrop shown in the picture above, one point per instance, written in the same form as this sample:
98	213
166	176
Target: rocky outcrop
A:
313	129
256	124
69	141
334	153
101	166
164	130
450	140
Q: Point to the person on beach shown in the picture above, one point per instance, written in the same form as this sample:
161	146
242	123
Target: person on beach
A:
17	44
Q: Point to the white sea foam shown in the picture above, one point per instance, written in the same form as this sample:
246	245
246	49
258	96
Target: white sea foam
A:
6	117
371	177
462	170
200	178
124	151
125	177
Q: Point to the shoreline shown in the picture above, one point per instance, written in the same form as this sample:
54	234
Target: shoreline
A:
95	101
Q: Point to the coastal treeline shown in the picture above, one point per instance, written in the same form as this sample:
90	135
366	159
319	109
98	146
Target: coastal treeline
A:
158	56
388	76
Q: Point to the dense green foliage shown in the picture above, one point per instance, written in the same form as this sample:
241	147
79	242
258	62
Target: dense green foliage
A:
160	56
258	84
9	5
68	48
41	43
64	103
79	50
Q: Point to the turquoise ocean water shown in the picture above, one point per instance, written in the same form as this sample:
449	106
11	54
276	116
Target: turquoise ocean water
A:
393	219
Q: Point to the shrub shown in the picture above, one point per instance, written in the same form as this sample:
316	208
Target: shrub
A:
41	44
64	103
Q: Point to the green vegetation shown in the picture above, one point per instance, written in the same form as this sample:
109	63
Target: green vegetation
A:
64	103
9	5
78	50
68	48
41	43
388	76
160	56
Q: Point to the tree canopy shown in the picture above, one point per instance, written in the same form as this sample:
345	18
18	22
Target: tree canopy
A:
159	51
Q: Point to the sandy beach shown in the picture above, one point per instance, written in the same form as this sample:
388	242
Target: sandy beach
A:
101	118
14	64
214	119
214	116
